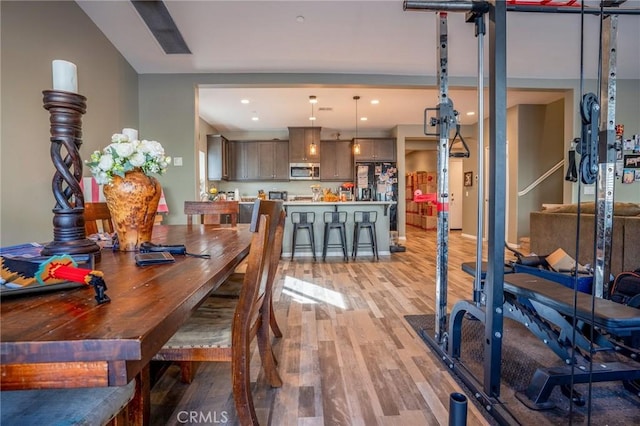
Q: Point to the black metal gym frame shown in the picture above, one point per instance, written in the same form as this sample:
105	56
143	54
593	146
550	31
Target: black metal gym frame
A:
488	392
608	147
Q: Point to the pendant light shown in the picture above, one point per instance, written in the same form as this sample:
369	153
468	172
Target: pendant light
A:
356	145
313	148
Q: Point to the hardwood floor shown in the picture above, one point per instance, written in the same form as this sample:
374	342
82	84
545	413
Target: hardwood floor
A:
347	357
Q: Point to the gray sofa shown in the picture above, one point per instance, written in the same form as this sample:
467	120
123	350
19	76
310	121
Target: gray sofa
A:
556	228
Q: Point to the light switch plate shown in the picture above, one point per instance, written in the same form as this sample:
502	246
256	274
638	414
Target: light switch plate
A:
177	161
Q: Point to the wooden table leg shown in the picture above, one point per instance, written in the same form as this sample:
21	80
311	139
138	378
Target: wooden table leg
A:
139	409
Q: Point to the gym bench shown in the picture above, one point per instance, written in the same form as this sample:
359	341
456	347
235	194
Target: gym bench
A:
546	308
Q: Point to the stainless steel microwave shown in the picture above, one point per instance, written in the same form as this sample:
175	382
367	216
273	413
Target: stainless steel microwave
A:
304	171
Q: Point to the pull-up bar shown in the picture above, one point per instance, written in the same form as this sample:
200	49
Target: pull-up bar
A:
450	6
483	7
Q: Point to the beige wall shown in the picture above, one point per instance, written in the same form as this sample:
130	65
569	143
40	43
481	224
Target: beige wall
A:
534	145
470	195
423	160
33	34
540	147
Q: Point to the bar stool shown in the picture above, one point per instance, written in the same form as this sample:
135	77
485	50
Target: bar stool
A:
335	220
365	220
303	220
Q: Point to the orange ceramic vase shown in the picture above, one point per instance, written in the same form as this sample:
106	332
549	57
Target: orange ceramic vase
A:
133	203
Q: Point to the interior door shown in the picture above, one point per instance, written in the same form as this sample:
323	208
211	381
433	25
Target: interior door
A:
455	193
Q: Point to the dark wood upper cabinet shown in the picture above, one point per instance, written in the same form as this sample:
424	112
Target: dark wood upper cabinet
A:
274	160
300	141
336	163
217	157
243	160
376	149
258	160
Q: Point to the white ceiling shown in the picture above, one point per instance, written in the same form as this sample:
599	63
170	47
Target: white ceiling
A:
283	107
349	37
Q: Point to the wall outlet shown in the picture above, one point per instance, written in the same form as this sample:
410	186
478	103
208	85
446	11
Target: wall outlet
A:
177	161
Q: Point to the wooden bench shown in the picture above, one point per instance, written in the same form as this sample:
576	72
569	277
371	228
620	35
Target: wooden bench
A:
76	406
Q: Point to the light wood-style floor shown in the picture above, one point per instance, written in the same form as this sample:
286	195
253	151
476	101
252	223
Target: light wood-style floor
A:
347	357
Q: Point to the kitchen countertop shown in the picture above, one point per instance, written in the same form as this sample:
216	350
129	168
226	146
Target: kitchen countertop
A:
344	203
382	210
318	207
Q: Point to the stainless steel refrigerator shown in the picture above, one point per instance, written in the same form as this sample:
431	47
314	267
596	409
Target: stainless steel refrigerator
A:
378	181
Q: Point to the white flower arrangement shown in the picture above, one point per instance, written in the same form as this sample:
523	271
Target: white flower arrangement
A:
124	155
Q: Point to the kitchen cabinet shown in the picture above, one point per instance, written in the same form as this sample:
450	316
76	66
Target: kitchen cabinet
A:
258	160
274	160
243	160
217	157
336	163
376	149
300	140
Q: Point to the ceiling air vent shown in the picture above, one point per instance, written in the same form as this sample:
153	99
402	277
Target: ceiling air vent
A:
325	109
156	15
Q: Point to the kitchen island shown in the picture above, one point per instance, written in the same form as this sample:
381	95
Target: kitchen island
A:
382	227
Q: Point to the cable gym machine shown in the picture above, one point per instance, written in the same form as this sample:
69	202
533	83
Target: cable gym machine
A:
598	148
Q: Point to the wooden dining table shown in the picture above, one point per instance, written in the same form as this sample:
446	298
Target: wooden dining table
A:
65	339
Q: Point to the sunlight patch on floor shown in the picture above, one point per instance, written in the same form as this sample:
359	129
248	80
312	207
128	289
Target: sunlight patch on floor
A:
304	292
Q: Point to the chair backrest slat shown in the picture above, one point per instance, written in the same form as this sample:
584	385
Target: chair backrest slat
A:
215	208
274	209
95	213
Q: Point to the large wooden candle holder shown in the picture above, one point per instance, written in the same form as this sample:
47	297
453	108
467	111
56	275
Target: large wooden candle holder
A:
69	237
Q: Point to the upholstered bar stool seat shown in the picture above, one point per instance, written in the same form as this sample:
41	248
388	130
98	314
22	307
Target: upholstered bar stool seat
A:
303	221
337	221
81	406
364	220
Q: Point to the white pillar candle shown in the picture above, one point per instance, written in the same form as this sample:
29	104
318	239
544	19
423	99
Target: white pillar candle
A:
132	134
65	76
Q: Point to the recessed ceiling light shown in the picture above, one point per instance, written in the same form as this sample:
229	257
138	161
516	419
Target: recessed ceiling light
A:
363	118
312	118
471	113
374	102
255	118
300	19
244	101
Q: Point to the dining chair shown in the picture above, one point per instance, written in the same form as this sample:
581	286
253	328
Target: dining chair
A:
212	211
233	284
222	329
97	214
